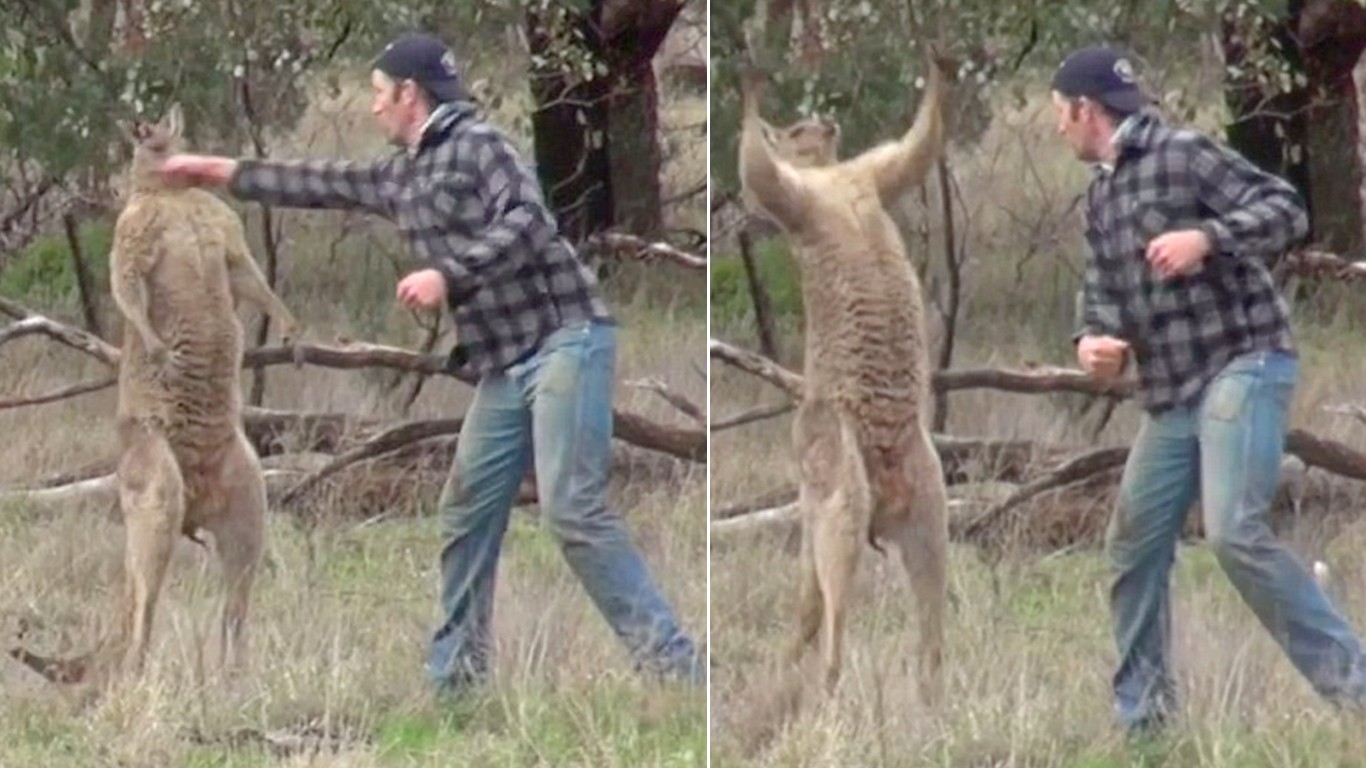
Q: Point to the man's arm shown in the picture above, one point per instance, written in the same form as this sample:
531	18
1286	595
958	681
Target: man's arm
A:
334	184
1255	214
513	205
1099	307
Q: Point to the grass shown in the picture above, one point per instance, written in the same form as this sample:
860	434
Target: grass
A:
337	643
1030	652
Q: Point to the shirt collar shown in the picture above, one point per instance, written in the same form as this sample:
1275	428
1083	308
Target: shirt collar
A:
436	121
1133	131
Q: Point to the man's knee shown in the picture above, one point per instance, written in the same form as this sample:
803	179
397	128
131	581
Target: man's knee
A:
582	522
1238	542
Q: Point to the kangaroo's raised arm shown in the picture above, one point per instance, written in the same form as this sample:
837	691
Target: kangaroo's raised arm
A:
896	167
766	179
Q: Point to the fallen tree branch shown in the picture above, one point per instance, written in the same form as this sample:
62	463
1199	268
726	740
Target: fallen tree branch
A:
963	459
103	488
1329	455
389	440
30	324
1031	381
1357	412
762	413
637	248
1312	263
75	390
688	444
763	518
759	366
268	429
1071	471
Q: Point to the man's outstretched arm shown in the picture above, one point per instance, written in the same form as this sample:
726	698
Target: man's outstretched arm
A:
337	184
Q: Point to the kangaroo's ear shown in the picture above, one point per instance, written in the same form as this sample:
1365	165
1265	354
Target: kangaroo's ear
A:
831	126
173	122
130	131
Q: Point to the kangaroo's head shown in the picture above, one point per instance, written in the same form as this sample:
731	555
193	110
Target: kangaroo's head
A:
807	143
154	142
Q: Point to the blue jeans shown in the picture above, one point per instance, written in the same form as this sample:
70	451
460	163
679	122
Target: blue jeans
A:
553	408
1225	450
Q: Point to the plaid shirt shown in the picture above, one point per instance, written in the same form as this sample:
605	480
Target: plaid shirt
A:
468	206
1184	330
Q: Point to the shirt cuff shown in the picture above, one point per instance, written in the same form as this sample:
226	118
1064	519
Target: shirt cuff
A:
240	183
1218	235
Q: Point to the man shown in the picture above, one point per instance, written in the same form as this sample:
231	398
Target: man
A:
1180	230
532	327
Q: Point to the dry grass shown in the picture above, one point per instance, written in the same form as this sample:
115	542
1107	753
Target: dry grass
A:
1030	649
342	615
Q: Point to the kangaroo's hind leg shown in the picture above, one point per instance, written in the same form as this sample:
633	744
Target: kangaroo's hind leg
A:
237	524
919	528
836	512
152	497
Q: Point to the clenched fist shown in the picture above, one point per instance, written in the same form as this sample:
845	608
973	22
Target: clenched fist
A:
1177	254
1102	356
424	289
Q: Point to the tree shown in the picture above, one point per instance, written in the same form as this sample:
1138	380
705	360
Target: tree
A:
1294	105
596	123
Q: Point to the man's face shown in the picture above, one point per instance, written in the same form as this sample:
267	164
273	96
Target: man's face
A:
394	106
1078	123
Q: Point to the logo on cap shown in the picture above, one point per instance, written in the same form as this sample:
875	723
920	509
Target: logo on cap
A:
1124	70
448	62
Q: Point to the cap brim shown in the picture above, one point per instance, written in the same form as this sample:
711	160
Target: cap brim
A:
1128	101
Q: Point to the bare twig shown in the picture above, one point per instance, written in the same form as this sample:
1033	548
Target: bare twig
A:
762	413
689	408
75	390
428	345
1357	412
759	297
642	250
954	265
84	282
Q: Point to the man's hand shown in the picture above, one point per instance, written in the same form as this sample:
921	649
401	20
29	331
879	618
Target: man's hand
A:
1102	356
1178	253
424	289
197	170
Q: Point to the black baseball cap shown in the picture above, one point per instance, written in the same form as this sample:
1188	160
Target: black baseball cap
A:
425	60
1102	74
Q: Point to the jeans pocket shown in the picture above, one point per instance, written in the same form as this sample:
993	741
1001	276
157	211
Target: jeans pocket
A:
1228	396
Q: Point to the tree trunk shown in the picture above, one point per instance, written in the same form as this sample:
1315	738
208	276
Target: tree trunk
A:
1307	135
1332	36
569	126
634	156
596	136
